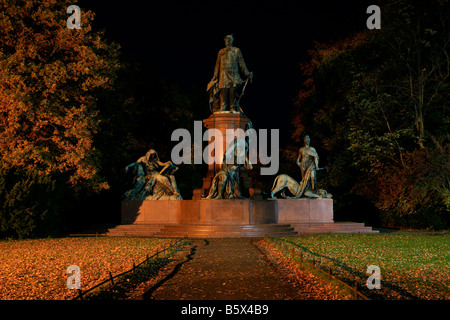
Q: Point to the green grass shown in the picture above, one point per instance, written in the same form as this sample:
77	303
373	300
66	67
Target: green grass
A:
413	266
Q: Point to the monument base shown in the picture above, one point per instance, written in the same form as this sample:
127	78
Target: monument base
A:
304	210
231	218
205	212
227	211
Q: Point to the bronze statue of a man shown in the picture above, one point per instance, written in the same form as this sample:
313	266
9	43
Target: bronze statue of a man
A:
223	87
308	161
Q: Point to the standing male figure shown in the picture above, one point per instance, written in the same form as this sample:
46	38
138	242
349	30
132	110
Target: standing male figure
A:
226	80
308	161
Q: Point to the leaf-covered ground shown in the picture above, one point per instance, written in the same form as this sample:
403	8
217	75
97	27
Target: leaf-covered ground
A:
412	266
36	269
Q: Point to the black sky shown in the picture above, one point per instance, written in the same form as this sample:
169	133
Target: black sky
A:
181	40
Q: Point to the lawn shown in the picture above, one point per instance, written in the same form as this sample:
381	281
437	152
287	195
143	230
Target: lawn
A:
412	266
36	269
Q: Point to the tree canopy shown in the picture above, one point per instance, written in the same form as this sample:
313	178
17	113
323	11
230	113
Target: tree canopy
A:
377	102
49	78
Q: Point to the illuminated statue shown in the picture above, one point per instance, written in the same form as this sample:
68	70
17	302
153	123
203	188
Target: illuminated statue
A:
226	182
150	181
223	87
308	161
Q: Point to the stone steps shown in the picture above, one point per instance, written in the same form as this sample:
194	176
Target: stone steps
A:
227	231
95	230
336	227
134	230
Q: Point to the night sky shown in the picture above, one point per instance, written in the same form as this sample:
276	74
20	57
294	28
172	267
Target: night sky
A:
180	39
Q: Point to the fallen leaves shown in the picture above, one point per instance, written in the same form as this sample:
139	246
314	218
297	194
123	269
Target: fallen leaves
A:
36	269
304	285
413	266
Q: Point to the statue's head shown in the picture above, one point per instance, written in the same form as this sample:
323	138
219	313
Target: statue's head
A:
151	155
307	141
229	40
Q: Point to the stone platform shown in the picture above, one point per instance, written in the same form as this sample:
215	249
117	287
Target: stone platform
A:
227	211
235	231
230	218
203	212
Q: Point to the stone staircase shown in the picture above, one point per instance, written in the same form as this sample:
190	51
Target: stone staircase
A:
223	231
201	231
332	227
227	231
134	230
230	231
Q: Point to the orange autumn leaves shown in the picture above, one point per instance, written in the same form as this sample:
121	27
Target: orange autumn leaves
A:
36	269
49	79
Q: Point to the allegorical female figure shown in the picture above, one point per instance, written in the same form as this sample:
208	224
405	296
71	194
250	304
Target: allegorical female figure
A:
226	182
151	182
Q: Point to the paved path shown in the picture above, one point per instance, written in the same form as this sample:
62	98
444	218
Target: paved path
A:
223	269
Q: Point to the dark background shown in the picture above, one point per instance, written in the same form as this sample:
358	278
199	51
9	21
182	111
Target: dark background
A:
180	39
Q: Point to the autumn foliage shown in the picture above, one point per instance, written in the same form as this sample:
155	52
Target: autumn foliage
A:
376	103
50	77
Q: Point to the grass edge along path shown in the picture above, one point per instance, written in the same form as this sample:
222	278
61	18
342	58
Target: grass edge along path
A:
425	276
295	264
121	285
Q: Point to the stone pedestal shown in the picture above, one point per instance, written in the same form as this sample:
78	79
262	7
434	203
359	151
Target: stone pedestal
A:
223	121
304	210
227	211
231	218
205	212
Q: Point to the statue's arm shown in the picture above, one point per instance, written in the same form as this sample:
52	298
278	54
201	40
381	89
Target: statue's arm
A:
217	67
316	157
242	65
162	164
299	158
130	166
248	164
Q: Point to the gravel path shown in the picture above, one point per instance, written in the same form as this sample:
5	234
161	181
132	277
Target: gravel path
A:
230	269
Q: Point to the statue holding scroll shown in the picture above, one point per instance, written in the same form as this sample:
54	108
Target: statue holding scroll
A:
154	180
